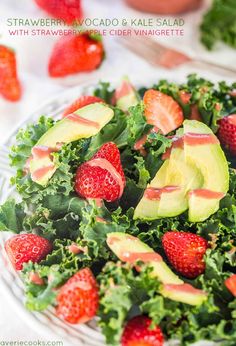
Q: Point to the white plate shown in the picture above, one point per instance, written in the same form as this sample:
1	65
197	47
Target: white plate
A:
12	287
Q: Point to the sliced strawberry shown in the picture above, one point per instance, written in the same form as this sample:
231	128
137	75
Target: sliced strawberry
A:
230	283
138	332
81	102
77	301
10	87
162	111
227	133
101	177
184	96
185	251
23	248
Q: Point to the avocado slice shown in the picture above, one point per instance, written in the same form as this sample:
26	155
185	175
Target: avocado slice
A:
83	123
125	95
147	208
204	151
130	249
184	293
199	171
173	201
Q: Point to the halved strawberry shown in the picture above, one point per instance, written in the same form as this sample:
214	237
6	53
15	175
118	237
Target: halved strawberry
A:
77	300
102	176
23	248
162	111
82	101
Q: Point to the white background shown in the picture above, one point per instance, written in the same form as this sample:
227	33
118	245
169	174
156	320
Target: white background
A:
32	56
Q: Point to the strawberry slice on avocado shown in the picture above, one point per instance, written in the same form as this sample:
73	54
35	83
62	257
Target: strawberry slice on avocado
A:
83	123
125	95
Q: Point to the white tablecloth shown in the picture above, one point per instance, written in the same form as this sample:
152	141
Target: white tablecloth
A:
32	55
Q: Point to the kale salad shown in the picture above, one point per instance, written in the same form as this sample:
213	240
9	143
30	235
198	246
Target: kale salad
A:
128	212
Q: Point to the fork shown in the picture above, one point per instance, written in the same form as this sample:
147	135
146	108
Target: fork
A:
159	55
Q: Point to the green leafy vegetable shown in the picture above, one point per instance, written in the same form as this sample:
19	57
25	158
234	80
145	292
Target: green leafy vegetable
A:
219	24
57	213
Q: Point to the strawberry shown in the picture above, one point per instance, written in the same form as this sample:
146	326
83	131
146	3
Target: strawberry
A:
77	300
230	283
67	10
185	252
23	248
10	87
162	111
137	332
82	101
227	132
102	176
75	53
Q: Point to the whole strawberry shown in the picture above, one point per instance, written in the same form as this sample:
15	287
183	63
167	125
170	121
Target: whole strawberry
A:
23	248
137	332
77	300
227	132
185	251
162	111
10	87
82	101
67	10
75	53
101	177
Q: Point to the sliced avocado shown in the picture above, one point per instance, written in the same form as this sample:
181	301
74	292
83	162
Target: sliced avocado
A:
91	119
173	173
130	249
205	208
210	160
125	95
147	209
184	293
199	163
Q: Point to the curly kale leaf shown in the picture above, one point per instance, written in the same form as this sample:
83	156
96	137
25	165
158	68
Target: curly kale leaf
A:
222	12
12	215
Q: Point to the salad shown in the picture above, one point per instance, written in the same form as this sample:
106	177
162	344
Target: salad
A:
128	212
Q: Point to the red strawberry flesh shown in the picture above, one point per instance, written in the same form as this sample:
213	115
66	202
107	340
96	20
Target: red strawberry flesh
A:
77	300
230	283
81	102
162	111
101	177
